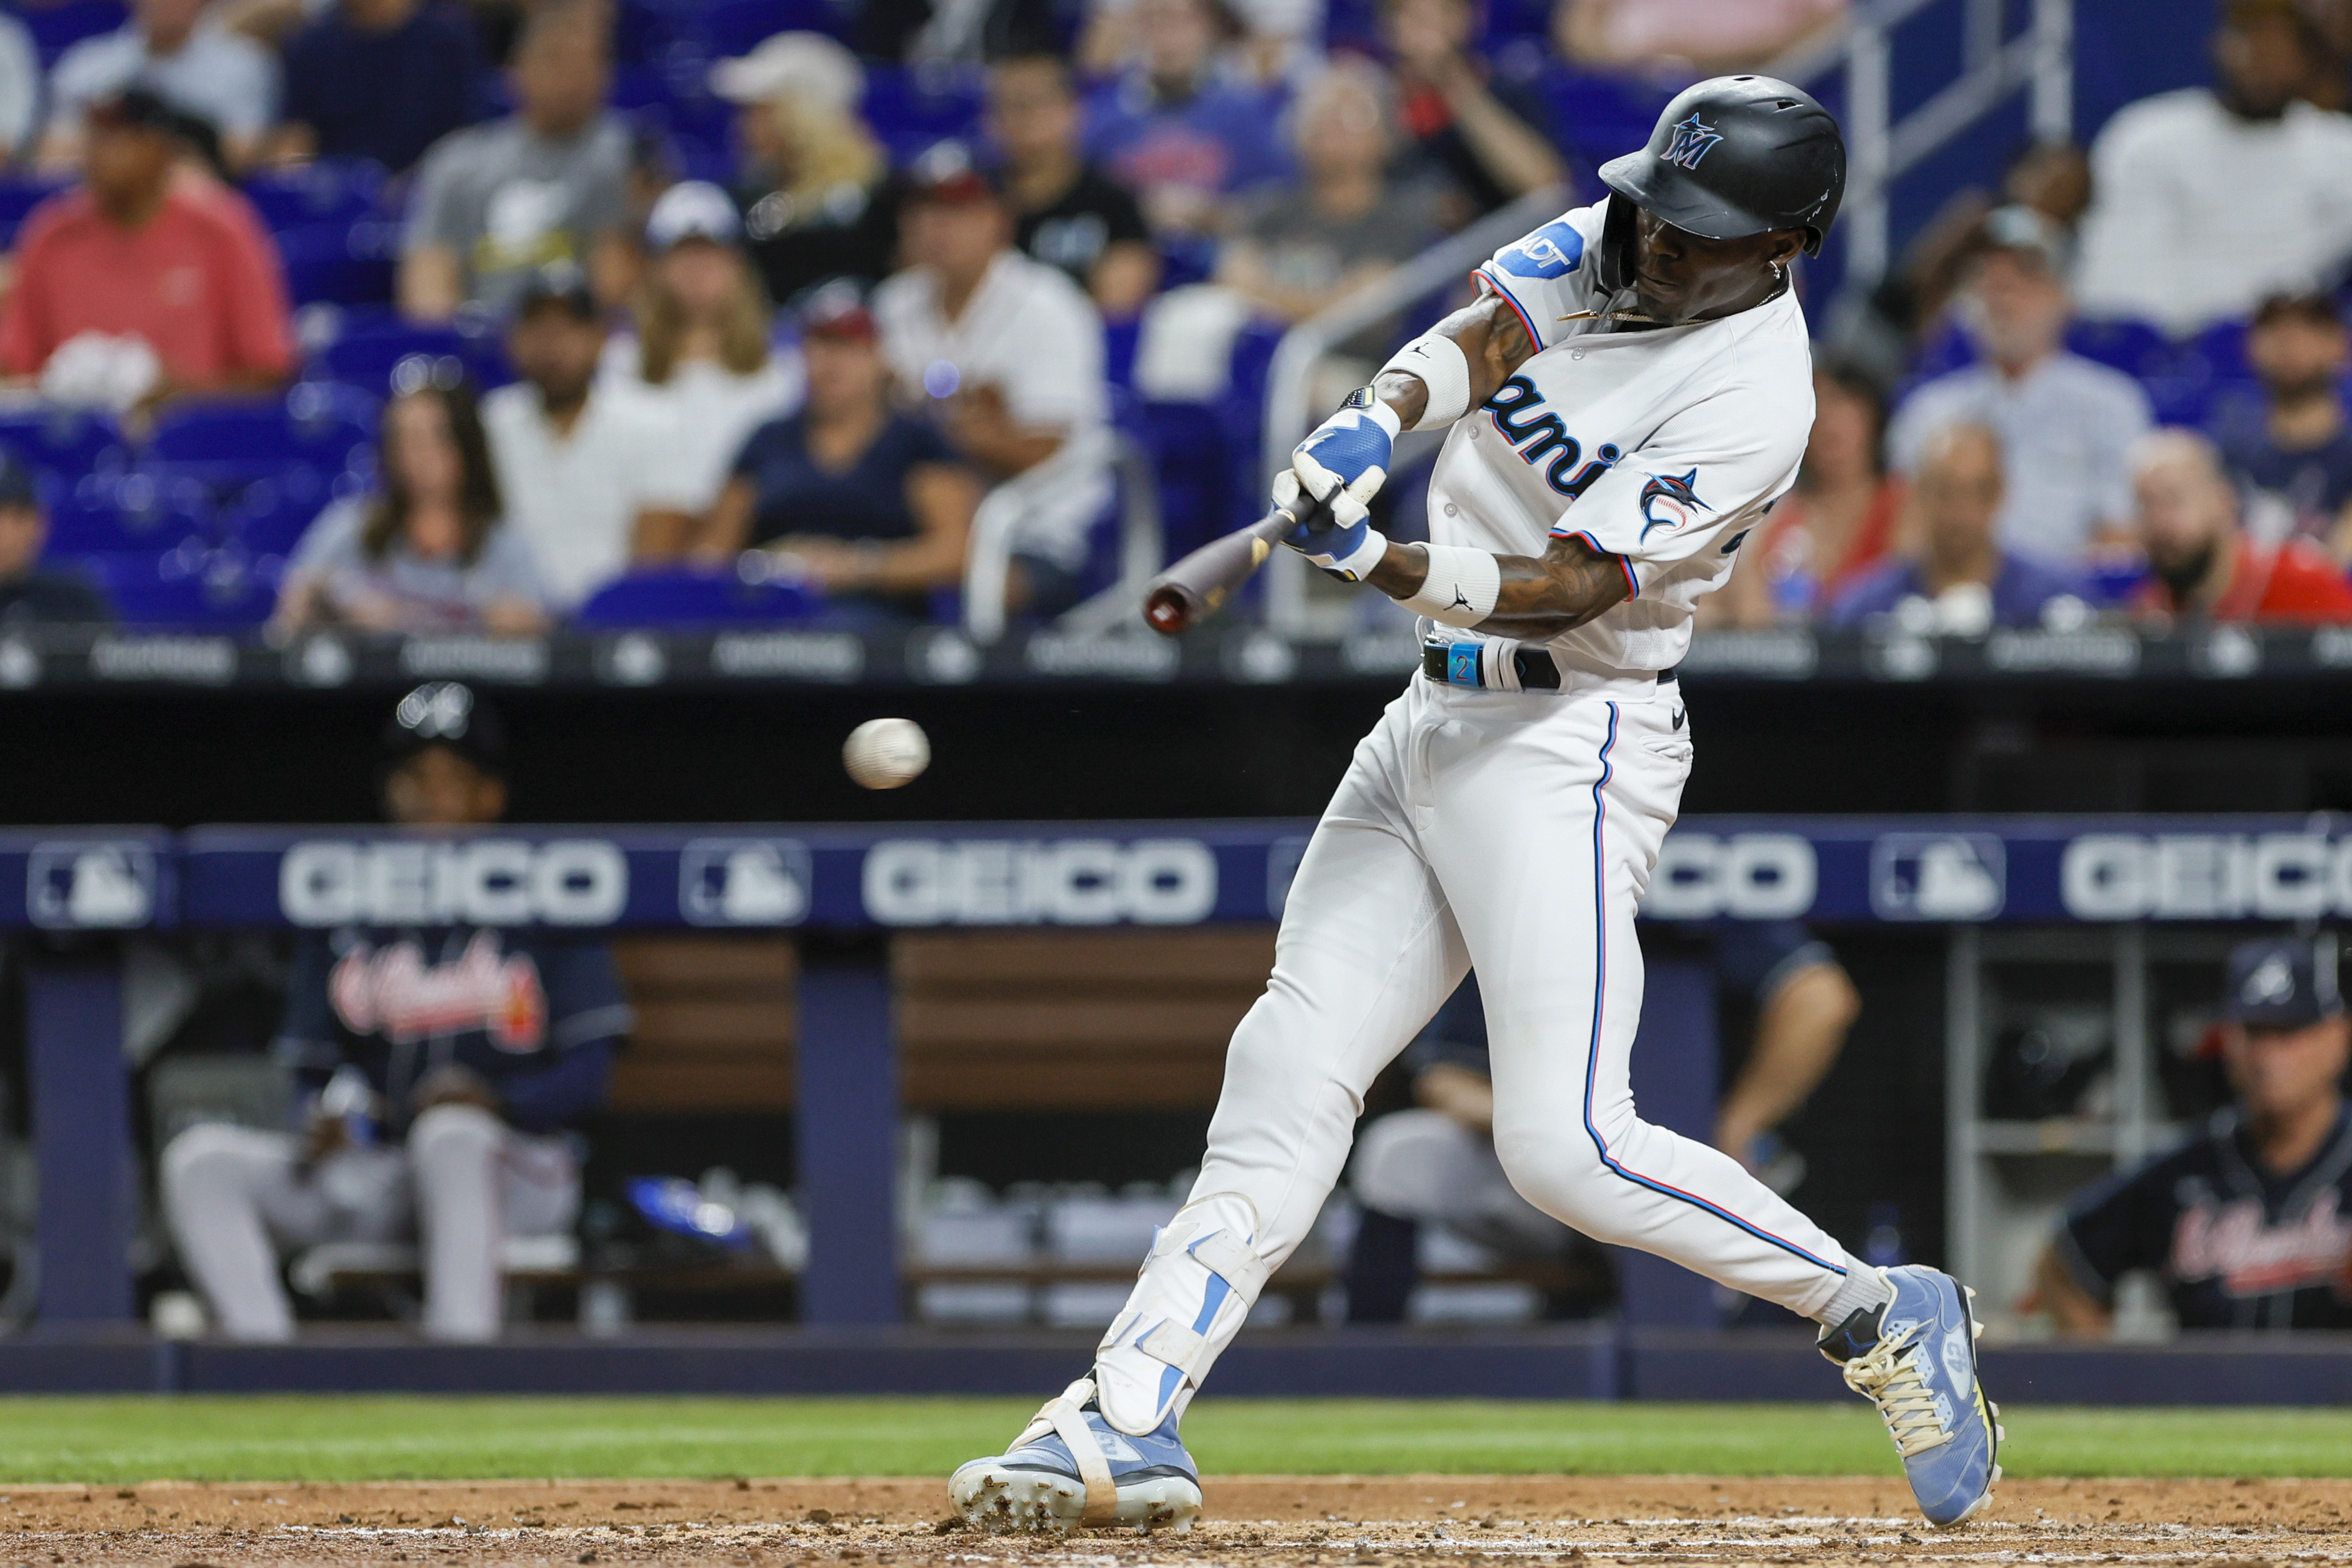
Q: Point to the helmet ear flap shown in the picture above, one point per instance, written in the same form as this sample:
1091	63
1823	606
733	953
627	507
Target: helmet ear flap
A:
1613	268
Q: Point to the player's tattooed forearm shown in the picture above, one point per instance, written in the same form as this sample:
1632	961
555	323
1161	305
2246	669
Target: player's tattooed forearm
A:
1570	586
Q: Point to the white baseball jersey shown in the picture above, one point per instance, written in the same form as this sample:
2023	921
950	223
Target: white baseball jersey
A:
1513	831
1662	446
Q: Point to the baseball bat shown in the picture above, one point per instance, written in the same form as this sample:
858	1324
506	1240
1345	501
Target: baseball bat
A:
1197	586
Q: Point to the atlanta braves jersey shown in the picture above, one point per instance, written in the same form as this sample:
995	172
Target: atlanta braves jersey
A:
1661	446
534	1016
2235	1245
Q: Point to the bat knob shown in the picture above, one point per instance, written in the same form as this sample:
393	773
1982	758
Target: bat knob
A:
1166	611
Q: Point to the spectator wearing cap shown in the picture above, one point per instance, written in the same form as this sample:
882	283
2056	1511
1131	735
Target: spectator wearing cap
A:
2201	563
1960	581
2247	1225
1487	135
591	474
1066	213
430	551
2066	425
2294	449
378	79
28	594
816	194
549	183
2206	200
700	346
869	503
1299	249
1006	355
140	283
436	1069
175	50
1169	129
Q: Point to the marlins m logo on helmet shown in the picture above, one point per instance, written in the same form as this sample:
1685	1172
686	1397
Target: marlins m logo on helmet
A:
1693	141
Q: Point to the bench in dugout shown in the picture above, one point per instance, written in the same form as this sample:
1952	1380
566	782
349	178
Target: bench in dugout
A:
989	1021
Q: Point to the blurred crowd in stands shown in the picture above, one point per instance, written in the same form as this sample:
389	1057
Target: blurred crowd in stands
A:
496	315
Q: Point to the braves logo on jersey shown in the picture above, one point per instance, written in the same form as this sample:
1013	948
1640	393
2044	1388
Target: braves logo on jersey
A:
393	991
1675	494
2235	1243
1693	141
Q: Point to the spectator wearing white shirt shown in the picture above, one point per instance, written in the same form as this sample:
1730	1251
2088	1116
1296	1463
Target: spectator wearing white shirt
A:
1008	355
590	475
2209	200
173	49
699	349
2066	425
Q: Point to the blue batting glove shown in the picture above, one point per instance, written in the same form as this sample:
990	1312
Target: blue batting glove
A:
1342	462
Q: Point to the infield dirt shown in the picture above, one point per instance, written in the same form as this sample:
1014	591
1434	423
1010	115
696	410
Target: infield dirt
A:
1258	1522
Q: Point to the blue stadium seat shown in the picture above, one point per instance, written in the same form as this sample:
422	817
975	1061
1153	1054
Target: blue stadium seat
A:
682	597
370	346
341	263
105	515
217	590
227	445
734	27
331	191
909	114
19	195
58	27
71	444
270	516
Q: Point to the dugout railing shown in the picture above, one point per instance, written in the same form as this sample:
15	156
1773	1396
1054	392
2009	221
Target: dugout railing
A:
843	893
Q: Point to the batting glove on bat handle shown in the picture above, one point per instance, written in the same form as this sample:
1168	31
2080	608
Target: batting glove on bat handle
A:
1342	464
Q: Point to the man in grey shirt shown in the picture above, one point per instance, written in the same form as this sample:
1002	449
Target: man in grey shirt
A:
2066	425
494	202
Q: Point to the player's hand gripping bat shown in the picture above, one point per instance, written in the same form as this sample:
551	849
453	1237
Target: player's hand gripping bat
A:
1199	585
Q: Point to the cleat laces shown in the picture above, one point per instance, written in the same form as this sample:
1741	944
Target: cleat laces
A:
1887	1374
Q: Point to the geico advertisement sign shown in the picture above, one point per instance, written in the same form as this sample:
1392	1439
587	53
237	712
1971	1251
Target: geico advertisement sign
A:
2206	876
1066	882
477	881
1749	876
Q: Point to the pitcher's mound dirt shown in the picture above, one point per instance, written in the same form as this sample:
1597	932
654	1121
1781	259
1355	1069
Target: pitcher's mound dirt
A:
1258	1522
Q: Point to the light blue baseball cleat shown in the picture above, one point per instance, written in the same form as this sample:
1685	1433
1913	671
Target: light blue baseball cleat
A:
1070	1468
1916	1359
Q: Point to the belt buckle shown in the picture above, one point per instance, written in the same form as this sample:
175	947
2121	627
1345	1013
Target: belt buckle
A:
1461	663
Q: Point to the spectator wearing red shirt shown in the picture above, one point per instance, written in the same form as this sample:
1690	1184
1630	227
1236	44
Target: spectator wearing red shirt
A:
2201	564
144	250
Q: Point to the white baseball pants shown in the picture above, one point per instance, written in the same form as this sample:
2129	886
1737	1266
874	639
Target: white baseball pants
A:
1515	832
464	1182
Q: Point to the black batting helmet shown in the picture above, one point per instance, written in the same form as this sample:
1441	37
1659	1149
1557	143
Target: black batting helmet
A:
1738	155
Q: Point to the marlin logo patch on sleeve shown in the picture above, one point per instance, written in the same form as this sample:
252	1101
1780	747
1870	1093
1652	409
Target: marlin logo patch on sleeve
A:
1669	501
1693	141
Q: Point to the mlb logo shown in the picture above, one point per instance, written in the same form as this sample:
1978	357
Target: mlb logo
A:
91	888
743	882
1938	876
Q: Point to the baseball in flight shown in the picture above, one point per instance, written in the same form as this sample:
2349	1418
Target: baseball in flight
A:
884	753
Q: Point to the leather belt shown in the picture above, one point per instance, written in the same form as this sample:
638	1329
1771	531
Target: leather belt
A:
1471	663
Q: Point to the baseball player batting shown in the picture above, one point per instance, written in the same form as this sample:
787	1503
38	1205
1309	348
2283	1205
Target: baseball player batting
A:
1628	396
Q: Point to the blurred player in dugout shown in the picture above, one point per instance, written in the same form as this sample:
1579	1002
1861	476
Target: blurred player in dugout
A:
435	1069
1435	1165
2248	1225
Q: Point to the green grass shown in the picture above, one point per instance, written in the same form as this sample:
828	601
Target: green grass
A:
336	1438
